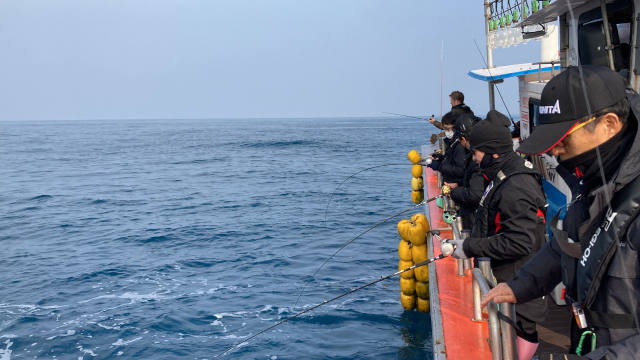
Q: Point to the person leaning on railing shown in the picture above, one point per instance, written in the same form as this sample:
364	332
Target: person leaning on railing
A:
589	121
509	225
468	192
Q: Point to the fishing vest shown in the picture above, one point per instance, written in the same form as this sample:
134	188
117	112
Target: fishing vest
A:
481	223
595	255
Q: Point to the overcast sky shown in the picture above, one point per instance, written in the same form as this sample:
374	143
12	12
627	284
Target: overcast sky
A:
186	59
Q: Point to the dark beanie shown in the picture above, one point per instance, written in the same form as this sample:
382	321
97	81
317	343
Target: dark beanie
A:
464	123
492	136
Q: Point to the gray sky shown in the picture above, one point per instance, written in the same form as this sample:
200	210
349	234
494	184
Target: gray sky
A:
183	59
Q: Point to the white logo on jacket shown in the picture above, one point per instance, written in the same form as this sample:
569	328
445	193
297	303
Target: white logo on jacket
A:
605	226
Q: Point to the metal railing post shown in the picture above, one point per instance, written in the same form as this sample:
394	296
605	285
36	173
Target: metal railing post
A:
484	263
509	347
477	298
495	341
457	228
463	235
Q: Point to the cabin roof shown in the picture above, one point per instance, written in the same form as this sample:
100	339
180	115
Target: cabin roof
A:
504	72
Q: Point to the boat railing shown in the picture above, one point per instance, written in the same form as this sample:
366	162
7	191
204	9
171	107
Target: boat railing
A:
552	62
460	234
502	334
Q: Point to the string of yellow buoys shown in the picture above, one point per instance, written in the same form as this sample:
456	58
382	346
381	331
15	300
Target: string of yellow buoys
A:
414	285
417	183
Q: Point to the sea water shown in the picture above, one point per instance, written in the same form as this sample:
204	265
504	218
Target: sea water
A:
177	239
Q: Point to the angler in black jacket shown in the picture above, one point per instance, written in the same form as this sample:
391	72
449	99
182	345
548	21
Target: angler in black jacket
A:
509	226
467	194
596	253
451	165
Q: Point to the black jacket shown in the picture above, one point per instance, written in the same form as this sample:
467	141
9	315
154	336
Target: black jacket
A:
619	292
462	109
452	166
468	193
511	215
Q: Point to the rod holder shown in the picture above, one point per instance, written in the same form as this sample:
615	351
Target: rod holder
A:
463	235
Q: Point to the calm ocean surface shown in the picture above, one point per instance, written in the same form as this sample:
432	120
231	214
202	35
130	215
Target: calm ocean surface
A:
176	239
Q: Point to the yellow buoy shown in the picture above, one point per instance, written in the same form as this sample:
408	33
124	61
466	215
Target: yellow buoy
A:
403	229
422	290
422	219
417	196
416	234
423	305
404	250
419	253
417	183
408	302
405	265
414	156
416	170
408	286
421	273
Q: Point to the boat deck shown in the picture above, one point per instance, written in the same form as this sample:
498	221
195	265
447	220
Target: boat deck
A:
553	333
456	335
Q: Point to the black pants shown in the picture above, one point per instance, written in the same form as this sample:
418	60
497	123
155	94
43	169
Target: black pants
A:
528	326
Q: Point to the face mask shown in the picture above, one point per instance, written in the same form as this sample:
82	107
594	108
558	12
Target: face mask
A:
487	160
449	134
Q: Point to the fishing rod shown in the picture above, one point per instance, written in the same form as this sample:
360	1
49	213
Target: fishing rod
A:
426	262
364	232
409	116
373	167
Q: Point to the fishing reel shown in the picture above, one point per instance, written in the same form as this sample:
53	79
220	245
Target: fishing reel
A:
438	152
446	190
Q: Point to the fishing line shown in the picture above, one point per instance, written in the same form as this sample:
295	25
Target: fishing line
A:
350	241
426	262
489	70
334	191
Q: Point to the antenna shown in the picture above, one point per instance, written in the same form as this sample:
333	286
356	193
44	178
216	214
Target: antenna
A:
441	53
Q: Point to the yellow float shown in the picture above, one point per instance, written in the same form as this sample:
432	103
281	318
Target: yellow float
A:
414	156
405	265
421	219
404	250
417	183
423	305
408	286
419	253
422	290
408	301
417	196
403	229
416	234
416	170
421	274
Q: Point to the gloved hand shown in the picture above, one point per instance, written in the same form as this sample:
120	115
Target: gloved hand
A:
434	165
458	252
437	157
556	356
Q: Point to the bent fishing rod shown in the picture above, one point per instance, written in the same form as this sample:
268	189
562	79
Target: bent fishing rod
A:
409	116
364	232
373	167
426	262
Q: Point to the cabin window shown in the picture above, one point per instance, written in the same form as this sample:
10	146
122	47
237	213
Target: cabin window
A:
592	41
534	114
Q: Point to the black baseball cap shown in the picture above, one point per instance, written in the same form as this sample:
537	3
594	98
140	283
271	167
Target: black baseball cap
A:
563	103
